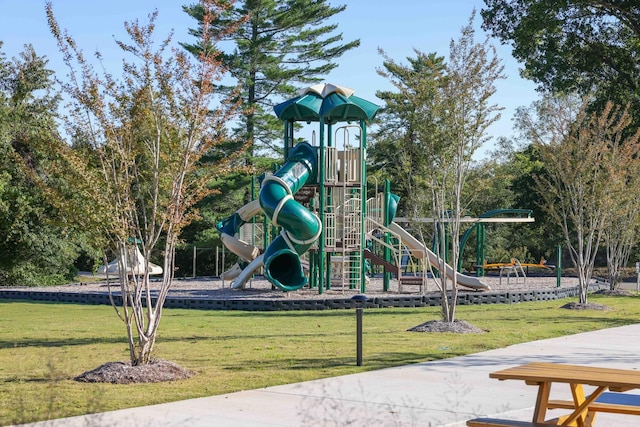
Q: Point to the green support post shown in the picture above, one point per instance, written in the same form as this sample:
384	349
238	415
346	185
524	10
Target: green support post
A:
386	277
363	201
312	270
480	257
321	209
313	258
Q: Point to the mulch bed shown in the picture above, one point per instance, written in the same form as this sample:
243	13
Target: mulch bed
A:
124	373
457	327
587	306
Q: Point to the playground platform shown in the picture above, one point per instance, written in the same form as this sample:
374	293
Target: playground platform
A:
441	393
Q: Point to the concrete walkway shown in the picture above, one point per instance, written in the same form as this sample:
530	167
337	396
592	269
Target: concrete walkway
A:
441	393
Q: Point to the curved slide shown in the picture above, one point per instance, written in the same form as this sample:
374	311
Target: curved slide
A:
300	227
420	251
228	229
133	264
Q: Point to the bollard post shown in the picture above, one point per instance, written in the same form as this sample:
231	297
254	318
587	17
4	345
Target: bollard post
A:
559	266
195	254
360	300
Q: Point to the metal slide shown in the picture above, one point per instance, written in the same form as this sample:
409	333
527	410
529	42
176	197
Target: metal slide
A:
300	227
420	251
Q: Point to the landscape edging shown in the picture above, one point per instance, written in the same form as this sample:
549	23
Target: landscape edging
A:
397	301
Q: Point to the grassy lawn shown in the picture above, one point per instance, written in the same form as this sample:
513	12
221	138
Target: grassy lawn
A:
44	345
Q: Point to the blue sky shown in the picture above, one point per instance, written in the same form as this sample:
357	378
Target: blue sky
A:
395	26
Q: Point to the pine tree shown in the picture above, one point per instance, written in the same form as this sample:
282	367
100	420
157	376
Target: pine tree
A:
280	45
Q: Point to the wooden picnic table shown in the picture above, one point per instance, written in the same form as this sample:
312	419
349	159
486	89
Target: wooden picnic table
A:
584	407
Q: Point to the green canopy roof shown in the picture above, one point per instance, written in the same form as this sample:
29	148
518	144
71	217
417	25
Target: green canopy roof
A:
334	103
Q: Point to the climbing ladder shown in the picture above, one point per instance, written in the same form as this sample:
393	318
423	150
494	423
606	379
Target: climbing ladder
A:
342	216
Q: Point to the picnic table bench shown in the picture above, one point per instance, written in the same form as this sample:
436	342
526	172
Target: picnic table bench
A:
495	422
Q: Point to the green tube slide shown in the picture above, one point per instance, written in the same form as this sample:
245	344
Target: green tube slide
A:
300	227
230	225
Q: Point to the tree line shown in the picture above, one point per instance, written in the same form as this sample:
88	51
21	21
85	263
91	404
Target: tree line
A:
149	154
36	251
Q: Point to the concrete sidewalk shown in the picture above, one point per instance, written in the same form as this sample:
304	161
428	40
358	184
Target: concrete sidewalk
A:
440	393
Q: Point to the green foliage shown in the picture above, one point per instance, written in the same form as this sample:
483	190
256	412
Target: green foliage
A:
573	45
507	180
439	117
588	47
277	46
35	248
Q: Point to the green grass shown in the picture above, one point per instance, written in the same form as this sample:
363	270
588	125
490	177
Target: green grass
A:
44	345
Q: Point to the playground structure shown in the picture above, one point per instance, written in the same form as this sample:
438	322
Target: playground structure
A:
319	227
516	268
514	262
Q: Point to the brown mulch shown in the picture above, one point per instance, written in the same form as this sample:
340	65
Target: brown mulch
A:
587	306
457	327
124	373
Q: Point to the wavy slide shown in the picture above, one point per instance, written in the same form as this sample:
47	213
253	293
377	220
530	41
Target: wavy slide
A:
228	229
300	227
420	251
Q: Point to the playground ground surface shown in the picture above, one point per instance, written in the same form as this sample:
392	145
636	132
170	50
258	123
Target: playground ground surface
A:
216	289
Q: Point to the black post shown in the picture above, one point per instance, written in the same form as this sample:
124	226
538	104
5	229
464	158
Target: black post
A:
359	299
359	336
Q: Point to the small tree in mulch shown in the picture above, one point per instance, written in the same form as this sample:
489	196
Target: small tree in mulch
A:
139	141
583	185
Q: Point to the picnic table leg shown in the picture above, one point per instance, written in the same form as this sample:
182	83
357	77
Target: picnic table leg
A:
581	416
590	418
542	401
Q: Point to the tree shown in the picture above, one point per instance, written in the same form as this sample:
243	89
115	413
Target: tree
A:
280	45
580	152
622	220
448	113
34	248
538	239
135	163
573	45
396	151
